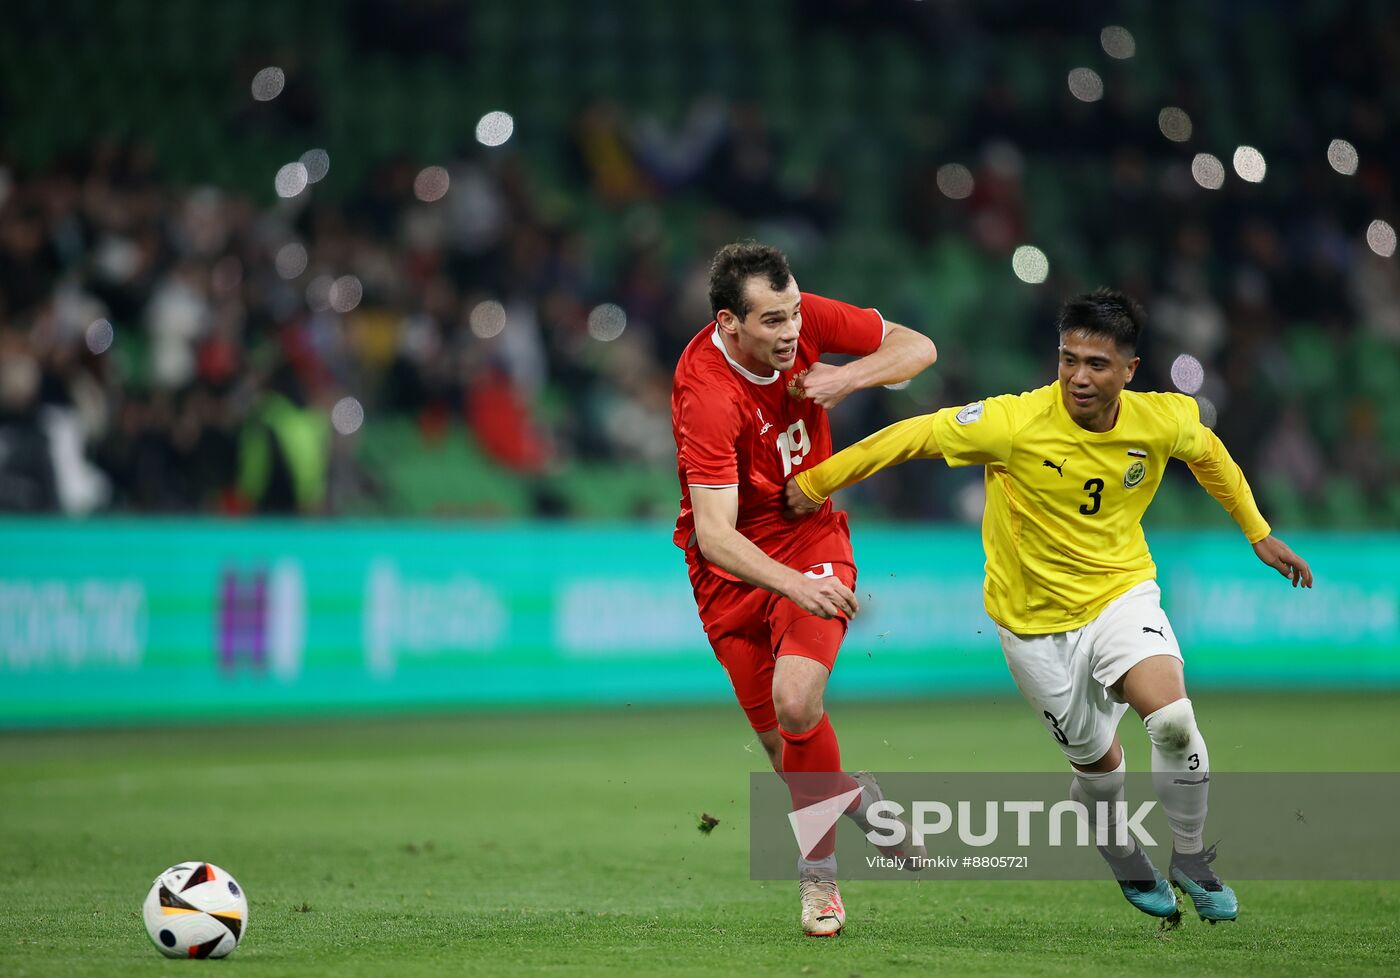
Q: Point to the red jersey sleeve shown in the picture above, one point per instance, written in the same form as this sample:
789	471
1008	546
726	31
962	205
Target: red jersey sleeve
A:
838	327
709	430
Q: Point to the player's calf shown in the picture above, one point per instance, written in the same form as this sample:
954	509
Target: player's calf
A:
772	742
1181	775
1180	772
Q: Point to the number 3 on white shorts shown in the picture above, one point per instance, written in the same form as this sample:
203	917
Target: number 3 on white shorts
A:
794	446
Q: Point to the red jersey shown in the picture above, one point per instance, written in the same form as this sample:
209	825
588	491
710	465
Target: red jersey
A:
737	428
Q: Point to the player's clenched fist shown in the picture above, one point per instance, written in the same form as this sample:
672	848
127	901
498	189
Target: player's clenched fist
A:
825	597
796	502
824	383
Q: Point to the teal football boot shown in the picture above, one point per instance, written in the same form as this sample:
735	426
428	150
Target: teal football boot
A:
1193	876
1142	885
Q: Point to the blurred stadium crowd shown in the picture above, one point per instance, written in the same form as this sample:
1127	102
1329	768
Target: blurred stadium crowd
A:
452	309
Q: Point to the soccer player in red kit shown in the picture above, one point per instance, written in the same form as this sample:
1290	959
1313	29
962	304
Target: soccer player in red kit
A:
748	409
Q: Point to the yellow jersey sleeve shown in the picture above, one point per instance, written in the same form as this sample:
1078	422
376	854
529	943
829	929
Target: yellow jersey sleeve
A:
901	441
1210	462
975	434
979	433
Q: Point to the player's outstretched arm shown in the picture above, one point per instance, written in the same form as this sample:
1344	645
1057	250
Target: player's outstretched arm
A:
716	515
1218	473
902	355
901	441
1220	476
1278	555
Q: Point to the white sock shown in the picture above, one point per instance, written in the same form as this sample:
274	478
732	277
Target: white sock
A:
1090	788
1180	772
824	869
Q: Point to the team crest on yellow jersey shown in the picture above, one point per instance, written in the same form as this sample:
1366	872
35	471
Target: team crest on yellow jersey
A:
1135	474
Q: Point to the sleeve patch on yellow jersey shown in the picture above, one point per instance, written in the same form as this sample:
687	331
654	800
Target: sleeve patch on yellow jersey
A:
971	413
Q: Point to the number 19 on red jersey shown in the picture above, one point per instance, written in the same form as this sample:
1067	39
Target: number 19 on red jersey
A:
794	446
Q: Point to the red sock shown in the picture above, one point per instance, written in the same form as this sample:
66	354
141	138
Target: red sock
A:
815	755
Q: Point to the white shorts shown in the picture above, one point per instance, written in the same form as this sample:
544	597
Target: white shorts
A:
1066	676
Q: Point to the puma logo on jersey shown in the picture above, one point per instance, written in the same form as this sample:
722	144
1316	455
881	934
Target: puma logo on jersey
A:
1058	468
766	425
1155	631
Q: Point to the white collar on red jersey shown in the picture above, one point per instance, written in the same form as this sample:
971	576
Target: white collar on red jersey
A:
743	372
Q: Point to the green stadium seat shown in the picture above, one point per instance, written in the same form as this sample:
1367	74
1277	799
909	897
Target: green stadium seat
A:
1390	507
1376	365
1282	503
447	476
1169	508
1343	506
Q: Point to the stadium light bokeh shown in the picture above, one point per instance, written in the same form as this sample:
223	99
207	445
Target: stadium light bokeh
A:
1030	264
495	128
317	163
1249	164
954	181
318	293
487	319
292	178
1343	157
1209	413
345	293
268	84
347	416
99	336
291	260
1380	235
431	184
1187	374
1175	124
1117	42
606	322
1208	171
1085	84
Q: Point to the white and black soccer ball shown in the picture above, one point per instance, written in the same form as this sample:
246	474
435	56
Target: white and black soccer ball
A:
196	910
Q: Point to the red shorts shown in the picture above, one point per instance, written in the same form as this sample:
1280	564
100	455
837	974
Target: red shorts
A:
746	625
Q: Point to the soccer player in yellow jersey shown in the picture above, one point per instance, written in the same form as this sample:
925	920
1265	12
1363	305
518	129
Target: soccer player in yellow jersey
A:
1070	470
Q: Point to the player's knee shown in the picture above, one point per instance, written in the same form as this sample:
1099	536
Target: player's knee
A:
1172	727
798	710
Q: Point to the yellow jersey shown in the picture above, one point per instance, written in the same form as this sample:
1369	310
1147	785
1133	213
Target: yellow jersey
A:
1062	527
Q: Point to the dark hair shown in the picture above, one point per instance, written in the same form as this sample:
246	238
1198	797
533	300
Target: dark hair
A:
734	264
1103	312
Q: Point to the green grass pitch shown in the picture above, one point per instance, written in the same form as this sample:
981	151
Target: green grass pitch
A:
565	844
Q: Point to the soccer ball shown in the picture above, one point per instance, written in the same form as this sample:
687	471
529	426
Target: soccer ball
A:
195	910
